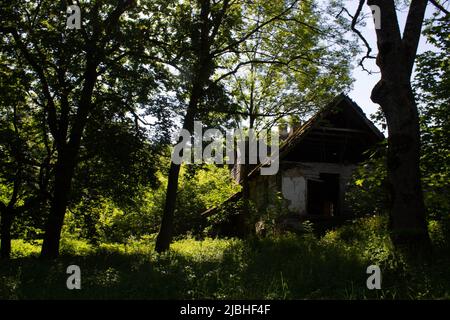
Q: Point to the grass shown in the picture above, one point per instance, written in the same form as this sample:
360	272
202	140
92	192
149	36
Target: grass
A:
287	267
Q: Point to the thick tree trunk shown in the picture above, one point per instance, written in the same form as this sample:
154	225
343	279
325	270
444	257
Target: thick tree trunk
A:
67	159
406	206
396	56
62	186
5	230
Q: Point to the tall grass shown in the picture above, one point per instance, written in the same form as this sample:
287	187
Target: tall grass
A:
286	267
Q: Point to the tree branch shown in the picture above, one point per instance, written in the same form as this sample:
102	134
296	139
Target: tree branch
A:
252	32
50	105
412	32
359	34
440	7
259	61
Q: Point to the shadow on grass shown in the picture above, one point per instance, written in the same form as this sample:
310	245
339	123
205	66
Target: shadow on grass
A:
283	268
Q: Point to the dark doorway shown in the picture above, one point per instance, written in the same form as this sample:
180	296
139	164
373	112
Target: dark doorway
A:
323	195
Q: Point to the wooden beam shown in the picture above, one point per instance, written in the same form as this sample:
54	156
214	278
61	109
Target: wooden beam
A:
340	130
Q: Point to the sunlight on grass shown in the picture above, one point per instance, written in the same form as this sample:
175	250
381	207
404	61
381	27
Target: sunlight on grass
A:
285	267
21	248
205	250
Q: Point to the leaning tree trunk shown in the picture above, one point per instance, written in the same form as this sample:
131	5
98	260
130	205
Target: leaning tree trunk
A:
165	233
63	180
243	217
201	72
5	230
164	237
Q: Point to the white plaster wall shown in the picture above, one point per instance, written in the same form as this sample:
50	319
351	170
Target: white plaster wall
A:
294	190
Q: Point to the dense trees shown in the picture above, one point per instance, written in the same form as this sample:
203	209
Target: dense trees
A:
209	26
24	160
86	115
74	73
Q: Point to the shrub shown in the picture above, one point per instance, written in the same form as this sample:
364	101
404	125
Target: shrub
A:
22	248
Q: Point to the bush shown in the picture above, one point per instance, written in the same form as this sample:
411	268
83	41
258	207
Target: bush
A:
22	248
368	235
366	192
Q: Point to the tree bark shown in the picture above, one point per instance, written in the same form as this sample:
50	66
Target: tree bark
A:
66	163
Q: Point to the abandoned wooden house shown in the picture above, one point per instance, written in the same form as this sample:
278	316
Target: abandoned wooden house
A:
316	160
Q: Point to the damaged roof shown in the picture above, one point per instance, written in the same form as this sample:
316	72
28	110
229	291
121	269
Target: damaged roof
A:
336	106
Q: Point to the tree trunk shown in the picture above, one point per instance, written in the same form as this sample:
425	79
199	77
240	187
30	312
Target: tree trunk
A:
5	229
164	237
396	56
406	206
63	180
165	234
244	218
67	159
245	215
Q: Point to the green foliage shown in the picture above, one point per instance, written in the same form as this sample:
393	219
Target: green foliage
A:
293	71
22	248
440	232
76	98
369	236
198	191
221	221
431	83
23	151
366	193
103	220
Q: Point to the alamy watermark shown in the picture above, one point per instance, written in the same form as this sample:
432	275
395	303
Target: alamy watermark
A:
74	17
74	280
373	281
376	12
237	147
